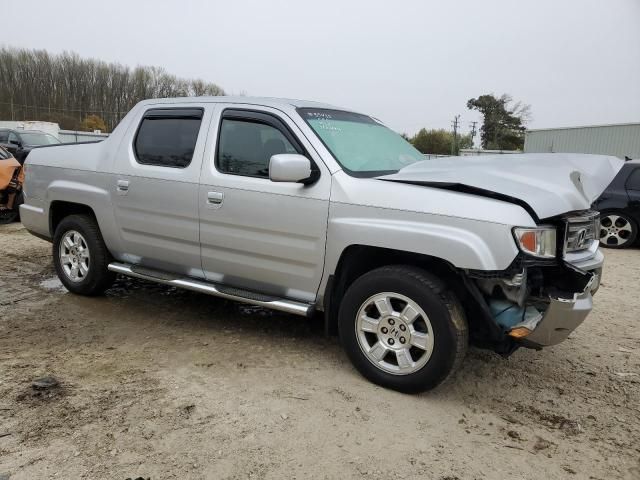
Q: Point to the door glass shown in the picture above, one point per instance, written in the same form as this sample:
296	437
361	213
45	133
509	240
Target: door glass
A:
4	136
167	142
13	138
246	147
633	182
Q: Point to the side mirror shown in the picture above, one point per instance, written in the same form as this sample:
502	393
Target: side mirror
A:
289	167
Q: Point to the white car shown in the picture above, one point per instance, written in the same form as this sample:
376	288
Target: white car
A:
304	207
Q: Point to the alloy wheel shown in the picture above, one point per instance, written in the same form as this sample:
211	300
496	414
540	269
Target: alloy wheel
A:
394	333
615	230
74	256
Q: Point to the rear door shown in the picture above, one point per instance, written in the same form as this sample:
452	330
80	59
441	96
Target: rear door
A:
257	234
156	173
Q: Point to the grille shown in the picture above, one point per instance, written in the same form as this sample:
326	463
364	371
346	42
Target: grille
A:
581	231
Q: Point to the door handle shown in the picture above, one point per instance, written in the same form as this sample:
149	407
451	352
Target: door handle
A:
123	186
215	198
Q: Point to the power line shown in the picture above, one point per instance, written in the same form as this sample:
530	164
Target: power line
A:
473	131
454	144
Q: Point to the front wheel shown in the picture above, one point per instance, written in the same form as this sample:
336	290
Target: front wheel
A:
81	257
402	328
617	230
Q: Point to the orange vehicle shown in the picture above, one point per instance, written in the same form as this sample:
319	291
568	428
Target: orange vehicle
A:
11	181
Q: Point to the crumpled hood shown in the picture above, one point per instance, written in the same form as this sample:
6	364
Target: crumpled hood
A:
546	184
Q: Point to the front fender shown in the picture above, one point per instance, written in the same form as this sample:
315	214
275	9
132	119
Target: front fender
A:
464	243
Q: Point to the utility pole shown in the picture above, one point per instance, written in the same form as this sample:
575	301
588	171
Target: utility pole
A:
454	145
473	131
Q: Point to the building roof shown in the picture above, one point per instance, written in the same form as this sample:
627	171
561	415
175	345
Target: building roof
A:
584	126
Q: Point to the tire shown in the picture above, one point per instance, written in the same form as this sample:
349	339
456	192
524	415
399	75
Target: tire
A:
8	216
435	332
78	243
617	230
13	215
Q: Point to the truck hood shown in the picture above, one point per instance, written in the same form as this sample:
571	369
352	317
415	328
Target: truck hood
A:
545	184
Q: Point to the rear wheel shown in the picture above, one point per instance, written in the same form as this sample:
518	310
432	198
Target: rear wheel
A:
402	328
81	257
617	230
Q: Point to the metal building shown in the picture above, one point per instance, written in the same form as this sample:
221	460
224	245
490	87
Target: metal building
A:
621	140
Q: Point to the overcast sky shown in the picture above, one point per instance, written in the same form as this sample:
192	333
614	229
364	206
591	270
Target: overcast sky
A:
412	64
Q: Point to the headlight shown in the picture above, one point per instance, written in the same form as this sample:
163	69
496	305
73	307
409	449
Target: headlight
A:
539	242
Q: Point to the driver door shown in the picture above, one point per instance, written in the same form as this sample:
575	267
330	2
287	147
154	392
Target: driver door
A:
257	234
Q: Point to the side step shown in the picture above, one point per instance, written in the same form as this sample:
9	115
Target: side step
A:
230	293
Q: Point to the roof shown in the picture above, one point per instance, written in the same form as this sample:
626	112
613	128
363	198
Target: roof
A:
264	101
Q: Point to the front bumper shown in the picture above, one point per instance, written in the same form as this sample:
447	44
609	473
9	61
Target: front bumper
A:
566	312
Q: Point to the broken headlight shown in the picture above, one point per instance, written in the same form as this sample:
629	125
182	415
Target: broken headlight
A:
539	242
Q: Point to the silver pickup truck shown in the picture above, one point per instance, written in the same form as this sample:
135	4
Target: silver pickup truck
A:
305	208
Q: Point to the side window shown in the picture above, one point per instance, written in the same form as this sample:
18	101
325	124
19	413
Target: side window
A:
245	147
4	137
13	138
167	137
633	182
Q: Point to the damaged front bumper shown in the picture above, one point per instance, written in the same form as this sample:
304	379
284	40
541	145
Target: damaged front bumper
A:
562	316
547	304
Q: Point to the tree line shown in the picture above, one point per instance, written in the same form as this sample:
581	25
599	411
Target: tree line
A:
81	93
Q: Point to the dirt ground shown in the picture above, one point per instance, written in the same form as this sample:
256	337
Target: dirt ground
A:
159	383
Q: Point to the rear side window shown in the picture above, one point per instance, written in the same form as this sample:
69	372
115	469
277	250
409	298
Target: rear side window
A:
633	182
167	137
4	136
247	146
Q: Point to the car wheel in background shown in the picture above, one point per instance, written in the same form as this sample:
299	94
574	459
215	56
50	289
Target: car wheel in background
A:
8	216
617	230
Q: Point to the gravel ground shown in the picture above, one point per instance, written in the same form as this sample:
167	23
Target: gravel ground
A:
159	383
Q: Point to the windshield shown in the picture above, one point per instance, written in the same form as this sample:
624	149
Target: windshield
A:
35	139
362	146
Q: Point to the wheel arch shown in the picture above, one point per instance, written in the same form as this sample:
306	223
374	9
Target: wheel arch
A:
357	259
59	209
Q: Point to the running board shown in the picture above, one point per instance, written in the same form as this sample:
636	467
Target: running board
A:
230	293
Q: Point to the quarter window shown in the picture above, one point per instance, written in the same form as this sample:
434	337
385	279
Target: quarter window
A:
167	137
246	147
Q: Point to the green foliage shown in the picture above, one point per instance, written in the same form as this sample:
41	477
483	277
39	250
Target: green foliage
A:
439	142
503	121
433	141
93	122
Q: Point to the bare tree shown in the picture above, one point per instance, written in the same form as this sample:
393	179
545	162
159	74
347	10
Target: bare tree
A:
66	89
